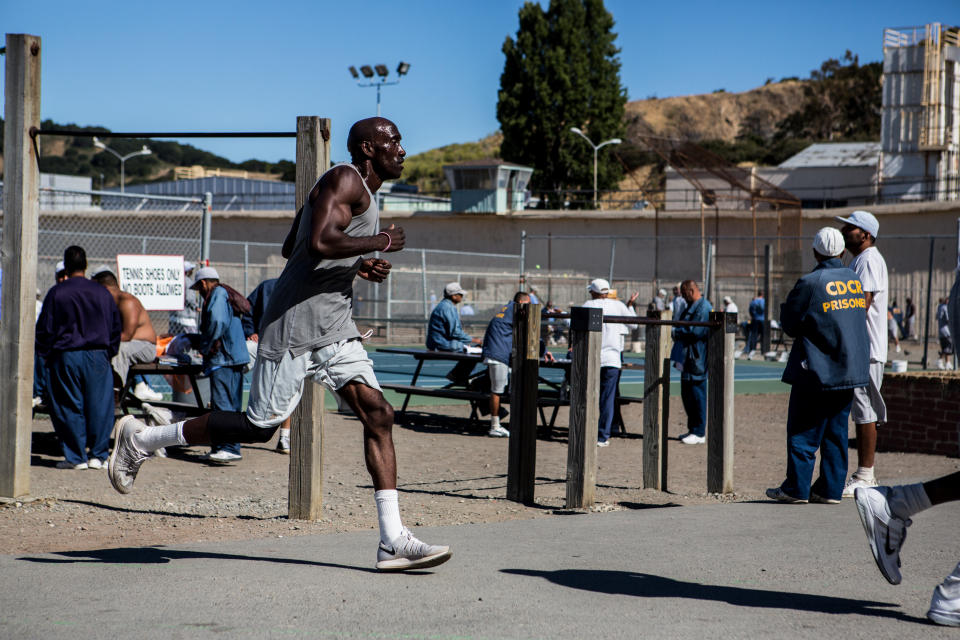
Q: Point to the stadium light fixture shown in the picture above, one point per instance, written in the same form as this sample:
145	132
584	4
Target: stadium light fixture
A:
381	70
596	148
145	151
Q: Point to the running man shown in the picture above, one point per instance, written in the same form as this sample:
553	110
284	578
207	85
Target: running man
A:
308	333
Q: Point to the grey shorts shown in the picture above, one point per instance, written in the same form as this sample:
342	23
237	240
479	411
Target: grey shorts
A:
132	352
868	405
499	375
276	385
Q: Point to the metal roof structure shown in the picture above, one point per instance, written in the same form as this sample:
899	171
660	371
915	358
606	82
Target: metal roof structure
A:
835	154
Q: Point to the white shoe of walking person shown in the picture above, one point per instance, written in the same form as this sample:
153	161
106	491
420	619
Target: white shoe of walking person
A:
407	552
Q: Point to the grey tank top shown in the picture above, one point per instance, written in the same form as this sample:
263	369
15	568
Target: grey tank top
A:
312	304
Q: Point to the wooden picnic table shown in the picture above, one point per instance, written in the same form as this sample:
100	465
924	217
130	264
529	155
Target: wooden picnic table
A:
192	371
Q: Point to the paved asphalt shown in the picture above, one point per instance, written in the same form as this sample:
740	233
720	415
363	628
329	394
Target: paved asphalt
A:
745	570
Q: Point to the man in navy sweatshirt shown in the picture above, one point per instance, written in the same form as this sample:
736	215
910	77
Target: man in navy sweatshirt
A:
826	314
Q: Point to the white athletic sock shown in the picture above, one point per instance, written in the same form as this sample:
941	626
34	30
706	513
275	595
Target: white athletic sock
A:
165	435
864	473
907	500
388	513
285	433
494	422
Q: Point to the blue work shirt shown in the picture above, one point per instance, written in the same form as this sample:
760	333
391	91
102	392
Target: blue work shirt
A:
445	332
78	314
258	304
221	333
758	309
827	314
498	340
693	340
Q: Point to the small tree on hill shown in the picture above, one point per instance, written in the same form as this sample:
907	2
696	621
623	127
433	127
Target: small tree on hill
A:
562	71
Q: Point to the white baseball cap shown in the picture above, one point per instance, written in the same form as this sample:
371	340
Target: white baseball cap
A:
598	286
60	267
188	266
104	268
204	273
453	288
829	242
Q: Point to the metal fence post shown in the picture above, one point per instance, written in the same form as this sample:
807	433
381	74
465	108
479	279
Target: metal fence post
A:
246	268
767	284
613	257
206	227
656	401
423	281
586	332
926	330
523	256
522	457
720	402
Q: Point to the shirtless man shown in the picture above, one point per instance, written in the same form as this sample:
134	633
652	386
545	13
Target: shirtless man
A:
307	331
138	340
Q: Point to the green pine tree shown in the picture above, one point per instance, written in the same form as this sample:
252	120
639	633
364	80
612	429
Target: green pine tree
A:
562	71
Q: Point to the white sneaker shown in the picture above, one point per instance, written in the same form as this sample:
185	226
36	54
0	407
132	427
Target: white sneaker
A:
603	443
63	464
154	416
144	392
95	463
855	483
37	401
886	533
945	603
406	552
283	444
692	438
814	497
222	457
126	457
498	432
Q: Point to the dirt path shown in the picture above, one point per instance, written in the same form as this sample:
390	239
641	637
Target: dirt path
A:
447	476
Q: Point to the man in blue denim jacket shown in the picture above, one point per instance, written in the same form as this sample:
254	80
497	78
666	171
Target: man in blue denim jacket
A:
445	331
826	315
225	355
692	341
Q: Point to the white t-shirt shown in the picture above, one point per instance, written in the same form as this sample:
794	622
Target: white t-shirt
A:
871	268
731	308
612	340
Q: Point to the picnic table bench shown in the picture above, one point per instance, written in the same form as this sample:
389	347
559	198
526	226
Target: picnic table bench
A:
554	394
157	367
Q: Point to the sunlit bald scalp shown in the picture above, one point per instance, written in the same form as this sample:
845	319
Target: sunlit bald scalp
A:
364	131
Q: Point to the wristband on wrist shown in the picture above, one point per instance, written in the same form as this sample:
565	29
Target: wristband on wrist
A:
389	240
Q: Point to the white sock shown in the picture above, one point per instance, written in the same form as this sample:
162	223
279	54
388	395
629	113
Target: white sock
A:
494	422
907	500
388	513
165	435
864	473
285	433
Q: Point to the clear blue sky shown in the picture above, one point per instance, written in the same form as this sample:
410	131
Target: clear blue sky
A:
210	65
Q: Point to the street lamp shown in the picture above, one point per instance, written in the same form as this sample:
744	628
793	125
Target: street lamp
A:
378	70
123	159
596	147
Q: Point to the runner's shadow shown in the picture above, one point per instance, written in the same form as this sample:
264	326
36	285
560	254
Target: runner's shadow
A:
161	555
645	585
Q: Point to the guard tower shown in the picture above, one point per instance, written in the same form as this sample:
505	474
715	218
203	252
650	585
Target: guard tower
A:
920	148
487	186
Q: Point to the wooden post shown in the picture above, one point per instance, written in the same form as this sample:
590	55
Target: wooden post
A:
21	212
586	333
720	403
656	399
522	457
305	488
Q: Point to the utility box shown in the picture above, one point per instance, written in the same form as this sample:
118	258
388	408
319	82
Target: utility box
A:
487	186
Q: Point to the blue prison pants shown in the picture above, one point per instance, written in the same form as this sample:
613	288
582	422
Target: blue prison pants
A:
81	402
817	420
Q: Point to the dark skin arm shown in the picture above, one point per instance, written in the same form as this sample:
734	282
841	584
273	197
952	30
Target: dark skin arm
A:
334	201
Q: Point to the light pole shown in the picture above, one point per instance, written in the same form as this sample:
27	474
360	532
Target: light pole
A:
380	70
596	148
123	159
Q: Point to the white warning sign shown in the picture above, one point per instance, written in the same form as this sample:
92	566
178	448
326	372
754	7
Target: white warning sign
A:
157	281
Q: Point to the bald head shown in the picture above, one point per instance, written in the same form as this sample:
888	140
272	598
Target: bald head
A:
365	130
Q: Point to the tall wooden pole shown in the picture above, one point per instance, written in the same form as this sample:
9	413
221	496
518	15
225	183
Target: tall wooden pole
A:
522	455
586	333
305	489
21	213
720	403
656	401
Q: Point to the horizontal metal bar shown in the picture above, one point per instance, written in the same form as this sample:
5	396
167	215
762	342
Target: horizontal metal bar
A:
182	134
119	194
639	320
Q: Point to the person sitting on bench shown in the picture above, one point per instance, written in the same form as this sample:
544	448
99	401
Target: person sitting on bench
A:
445	332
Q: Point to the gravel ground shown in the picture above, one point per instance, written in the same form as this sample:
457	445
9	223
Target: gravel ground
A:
450	473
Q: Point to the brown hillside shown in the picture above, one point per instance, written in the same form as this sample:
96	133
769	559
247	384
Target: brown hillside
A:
716	116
